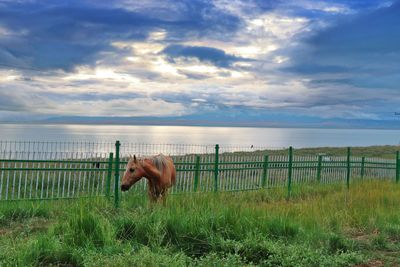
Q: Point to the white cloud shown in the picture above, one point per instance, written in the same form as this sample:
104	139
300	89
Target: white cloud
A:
279	26
157	35
102	74
280	59
115	107
3	32
9	75
335	8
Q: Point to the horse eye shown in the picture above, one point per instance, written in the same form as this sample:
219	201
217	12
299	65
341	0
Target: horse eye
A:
131	169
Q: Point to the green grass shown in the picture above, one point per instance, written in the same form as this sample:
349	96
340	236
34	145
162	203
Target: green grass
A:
386	152
322	225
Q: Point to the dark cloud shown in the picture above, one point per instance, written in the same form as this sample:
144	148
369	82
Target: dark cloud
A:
207	99
362	35
46	35
211	55
360	4
365	48
317	69
327	11
319	82
266	5
193	75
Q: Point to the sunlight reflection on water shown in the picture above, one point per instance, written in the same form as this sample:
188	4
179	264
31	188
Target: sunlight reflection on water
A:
266	137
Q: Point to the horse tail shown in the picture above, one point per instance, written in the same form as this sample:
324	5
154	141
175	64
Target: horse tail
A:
173	171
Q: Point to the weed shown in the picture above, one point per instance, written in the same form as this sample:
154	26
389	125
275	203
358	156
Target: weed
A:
47	251
85	228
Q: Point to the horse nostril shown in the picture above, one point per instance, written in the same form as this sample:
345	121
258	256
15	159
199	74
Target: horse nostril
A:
124	187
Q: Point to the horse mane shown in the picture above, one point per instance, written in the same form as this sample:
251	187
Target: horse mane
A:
159	161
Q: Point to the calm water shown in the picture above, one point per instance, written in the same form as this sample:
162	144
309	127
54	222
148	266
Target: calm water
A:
266	137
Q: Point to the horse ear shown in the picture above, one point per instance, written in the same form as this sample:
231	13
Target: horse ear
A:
134	158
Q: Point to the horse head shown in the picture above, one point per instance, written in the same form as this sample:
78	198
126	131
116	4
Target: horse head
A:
133	173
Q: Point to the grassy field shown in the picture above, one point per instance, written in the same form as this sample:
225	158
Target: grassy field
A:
322	225
386	152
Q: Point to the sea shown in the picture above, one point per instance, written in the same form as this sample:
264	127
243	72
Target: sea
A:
200	135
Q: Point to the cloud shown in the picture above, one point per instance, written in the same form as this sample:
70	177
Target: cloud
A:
46	35
361	36
89	104
8	102
316	68
363	48
120	107
211	55
350	66
199	58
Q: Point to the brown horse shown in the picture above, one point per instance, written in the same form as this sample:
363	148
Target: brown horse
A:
159	171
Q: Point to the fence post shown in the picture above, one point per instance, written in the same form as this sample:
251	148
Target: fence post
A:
348	168
109	173
319	168
196	173
362	167
290	171
397	167
216	168
265	171
116	177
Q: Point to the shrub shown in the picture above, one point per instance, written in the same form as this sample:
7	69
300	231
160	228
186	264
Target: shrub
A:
251	250
138	257
214	259
337	244
393	231
379	242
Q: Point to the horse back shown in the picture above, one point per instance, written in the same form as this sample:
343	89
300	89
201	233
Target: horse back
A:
172	170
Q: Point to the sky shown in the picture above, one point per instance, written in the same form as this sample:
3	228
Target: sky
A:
295	62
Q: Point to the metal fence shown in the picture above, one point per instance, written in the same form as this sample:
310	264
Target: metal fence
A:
52	170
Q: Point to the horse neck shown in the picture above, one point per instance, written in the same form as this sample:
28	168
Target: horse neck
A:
152	181
148	173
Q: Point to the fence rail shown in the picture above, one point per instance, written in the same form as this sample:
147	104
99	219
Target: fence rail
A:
37	170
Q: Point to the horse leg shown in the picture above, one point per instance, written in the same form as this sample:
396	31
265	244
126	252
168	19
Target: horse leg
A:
164	198
152	198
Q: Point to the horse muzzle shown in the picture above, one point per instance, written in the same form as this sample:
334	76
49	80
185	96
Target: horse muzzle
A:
124	187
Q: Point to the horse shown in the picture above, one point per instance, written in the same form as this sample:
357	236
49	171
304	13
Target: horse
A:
158	170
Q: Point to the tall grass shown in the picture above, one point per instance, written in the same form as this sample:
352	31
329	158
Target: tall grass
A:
321	225
14	211
386	152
